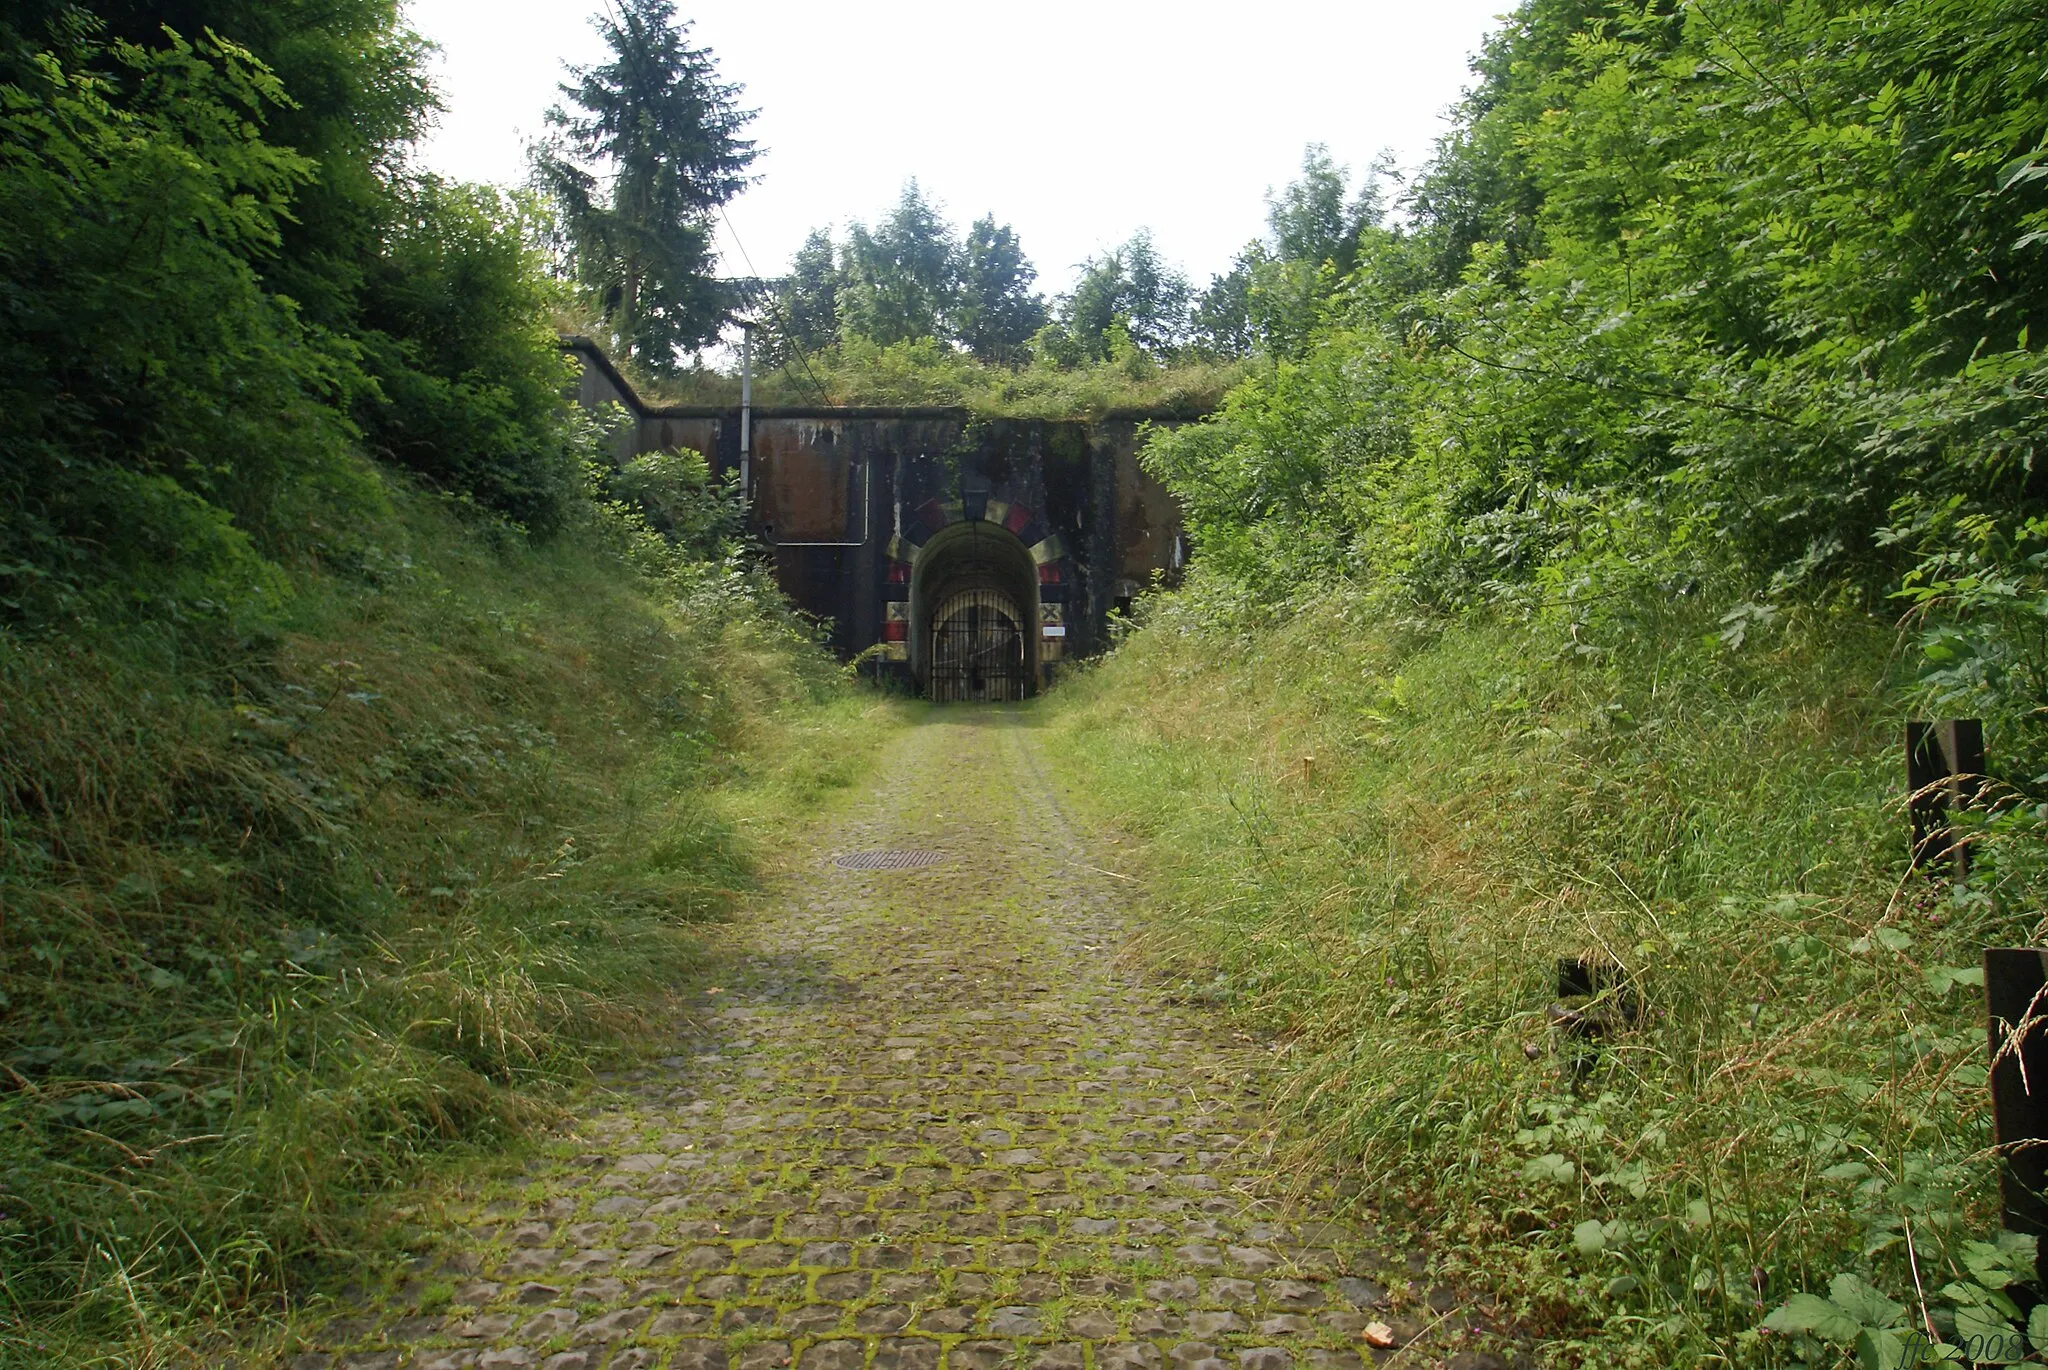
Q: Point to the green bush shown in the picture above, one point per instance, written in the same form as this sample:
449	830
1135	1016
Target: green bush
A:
194	299
137	202
682	502
468	375
1736	304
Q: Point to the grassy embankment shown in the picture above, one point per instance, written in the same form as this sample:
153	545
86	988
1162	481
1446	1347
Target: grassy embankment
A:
294	906
1379	840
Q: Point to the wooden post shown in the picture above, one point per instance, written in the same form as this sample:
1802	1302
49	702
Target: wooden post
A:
1944	773
1584	1026
2016	1001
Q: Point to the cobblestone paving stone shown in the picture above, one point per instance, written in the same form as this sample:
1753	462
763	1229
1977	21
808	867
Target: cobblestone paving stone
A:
925	1121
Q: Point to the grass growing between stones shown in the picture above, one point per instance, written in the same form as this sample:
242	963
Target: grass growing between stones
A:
293	907
1377	842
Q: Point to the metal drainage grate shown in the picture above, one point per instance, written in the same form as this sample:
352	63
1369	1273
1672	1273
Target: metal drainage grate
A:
887	860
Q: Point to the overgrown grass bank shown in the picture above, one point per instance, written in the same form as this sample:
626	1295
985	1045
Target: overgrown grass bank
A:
294	904
1379	840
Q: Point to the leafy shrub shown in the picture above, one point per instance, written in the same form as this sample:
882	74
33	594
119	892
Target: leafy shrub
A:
137	202
682	502
468	376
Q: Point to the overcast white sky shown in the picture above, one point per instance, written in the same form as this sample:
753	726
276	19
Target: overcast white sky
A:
1076	122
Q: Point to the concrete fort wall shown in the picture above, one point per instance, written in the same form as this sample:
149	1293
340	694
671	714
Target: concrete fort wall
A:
847	499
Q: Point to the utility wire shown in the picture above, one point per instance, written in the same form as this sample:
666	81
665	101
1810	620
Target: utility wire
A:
788	330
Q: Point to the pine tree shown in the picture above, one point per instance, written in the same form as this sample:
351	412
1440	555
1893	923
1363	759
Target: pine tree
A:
650	152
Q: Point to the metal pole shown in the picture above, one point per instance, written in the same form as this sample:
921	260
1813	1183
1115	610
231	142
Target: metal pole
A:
746	412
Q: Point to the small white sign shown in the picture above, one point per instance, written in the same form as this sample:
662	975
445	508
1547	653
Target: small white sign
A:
1054	630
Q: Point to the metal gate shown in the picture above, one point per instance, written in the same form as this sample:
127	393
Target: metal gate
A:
977	648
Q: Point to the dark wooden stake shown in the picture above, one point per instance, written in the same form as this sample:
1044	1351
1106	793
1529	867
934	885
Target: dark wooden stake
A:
2016	998
1944	773
1584	1025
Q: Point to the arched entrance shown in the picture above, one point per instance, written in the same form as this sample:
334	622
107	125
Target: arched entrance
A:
974	614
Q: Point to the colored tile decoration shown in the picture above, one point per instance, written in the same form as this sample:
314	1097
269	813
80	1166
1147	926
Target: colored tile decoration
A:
1016	518
897	611
895	651
897	631
1049	573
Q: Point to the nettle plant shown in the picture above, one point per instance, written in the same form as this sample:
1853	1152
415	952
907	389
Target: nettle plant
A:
1972	1320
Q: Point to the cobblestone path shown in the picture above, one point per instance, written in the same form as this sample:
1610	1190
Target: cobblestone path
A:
924	1121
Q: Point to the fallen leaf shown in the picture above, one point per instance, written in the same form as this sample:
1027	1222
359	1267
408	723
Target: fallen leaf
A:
1379	1334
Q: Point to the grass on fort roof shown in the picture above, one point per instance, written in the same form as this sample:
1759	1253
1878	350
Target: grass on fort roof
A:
924	372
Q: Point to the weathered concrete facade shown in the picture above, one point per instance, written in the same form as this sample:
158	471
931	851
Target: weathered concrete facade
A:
979	552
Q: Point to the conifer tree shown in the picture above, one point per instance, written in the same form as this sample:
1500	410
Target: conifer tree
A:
639	166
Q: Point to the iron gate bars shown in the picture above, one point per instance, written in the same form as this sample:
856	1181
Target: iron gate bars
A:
977	649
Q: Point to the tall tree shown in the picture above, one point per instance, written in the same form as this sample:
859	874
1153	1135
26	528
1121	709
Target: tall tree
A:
997	311
1308	219
1274	292
900	278
1132	286
810	300
652	151
1223	314
1313	229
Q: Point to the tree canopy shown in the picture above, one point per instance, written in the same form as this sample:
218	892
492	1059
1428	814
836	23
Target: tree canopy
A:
1732	300
901	278
997	312
911	277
